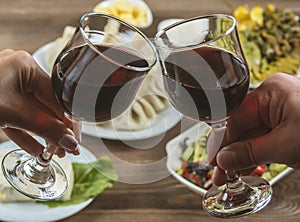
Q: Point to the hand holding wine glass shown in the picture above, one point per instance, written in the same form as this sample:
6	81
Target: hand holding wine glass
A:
95	78
206	77
28	104
261	134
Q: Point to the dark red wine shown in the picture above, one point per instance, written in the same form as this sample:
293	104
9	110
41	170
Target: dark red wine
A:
97	88
205	82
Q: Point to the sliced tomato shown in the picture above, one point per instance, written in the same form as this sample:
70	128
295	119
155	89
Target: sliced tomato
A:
260	169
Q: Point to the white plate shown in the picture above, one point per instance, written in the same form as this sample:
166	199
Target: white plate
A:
164	120
33	212
174	151
160	124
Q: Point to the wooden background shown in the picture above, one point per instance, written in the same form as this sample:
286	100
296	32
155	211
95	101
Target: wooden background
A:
29	24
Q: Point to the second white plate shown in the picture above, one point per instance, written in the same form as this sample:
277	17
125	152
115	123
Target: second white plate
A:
174	152
34	212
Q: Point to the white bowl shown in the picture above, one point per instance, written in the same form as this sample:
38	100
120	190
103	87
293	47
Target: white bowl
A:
166	22
138	3
174	151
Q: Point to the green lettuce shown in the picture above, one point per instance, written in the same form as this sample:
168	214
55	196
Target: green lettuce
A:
90	179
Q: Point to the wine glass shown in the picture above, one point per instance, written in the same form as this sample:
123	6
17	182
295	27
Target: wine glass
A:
95	78
206	78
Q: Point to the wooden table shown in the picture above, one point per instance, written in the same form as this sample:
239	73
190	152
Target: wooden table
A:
29	24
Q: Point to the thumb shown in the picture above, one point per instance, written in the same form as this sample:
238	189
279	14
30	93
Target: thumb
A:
252	152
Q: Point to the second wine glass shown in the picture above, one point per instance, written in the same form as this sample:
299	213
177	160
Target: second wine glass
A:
95	78
206	77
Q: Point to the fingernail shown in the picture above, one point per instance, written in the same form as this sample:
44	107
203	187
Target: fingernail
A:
68	142
76	151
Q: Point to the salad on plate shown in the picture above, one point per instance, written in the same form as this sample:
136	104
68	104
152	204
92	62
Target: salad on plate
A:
187	161
195	169
270	38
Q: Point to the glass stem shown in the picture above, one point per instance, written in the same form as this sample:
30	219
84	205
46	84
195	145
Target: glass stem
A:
233	180
38	170
46	156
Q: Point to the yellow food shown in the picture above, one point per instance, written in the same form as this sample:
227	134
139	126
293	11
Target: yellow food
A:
270	38
125	10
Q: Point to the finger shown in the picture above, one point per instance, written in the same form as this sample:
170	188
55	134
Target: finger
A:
255	132
75	125
30	145
243	123
6	52
59	150
219	176
34	80
43	91
37	119
24	140
259	150
246	117
242	129
34	107
60	153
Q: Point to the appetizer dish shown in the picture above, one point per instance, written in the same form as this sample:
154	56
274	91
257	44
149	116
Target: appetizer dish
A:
195	169
85	182
187	161
270	38
87	175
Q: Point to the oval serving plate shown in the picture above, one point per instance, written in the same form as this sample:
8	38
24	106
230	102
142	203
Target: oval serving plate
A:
174	152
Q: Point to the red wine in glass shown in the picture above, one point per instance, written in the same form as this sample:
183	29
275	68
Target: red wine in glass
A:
95	78
193	74
99	82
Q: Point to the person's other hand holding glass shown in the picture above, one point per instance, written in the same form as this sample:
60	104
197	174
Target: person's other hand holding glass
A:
95	78
206	77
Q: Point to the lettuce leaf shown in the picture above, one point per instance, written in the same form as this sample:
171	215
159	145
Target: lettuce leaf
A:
90	180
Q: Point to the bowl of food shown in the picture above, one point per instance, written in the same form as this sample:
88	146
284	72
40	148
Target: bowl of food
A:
270	40
187	161
269	36
136	12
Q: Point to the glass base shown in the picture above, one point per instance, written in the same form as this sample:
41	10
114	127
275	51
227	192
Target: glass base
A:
253	195
33	179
